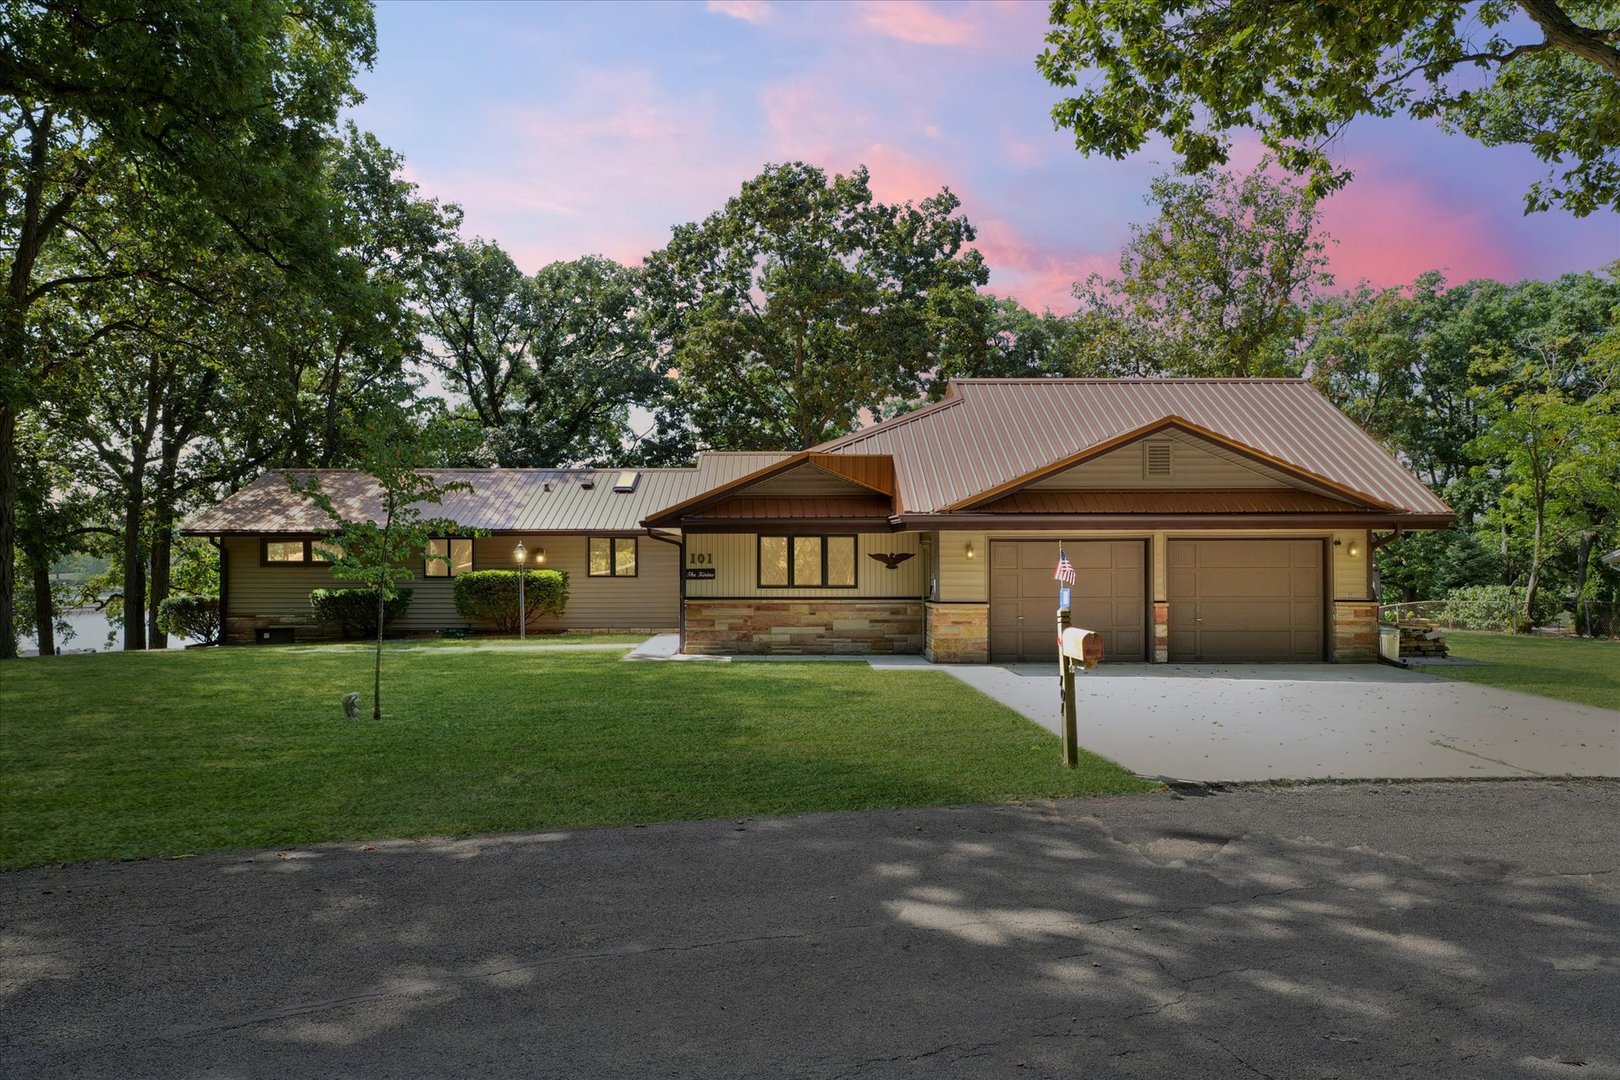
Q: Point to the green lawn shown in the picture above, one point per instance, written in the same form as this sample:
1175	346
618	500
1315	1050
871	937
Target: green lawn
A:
1573	669
121	755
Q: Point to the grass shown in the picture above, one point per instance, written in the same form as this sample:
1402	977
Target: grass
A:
122	755
1571	669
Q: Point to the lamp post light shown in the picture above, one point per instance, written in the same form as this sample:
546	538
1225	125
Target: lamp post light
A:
522	554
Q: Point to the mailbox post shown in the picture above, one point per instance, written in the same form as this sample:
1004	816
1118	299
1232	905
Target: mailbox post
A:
1076	648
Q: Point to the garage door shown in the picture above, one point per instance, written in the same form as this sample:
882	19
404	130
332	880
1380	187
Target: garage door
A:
1109	595
1245	599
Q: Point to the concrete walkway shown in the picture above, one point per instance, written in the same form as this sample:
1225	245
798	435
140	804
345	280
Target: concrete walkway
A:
1238	722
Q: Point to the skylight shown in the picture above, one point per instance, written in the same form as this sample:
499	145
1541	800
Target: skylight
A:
626	480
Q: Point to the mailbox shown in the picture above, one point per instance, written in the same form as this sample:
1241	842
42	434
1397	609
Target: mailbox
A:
1082	645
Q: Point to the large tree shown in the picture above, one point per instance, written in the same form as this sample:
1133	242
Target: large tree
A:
222	105
805	302
1217	284
1544	74
549	365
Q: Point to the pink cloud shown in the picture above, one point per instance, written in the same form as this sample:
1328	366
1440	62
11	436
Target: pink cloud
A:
915	22
752	11
1389	231
1039	276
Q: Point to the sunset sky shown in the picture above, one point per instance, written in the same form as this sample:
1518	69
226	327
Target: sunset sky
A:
566	130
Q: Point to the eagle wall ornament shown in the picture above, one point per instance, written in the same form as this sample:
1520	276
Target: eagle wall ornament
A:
891	559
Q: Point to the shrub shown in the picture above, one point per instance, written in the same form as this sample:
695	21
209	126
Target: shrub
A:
492	596
1494	607
184	615
354	611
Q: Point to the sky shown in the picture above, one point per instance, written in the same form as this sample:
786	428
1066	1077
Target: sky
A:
571	129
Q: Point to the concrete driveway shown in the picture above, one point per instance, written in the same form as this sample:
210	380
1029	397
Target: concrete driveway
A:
1437	930
1235	722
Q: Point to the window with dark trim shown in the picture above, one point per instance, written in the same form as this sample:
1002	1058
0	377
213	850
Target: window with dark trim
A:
611	556
292	552
456	556
807	562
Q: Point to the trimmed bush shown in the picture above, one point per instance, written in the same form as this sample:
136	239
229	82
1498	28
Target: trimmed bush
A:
492	596
186	616
354	611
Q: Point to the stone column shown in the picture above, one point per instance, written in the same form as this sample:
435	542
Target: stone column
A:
958	633
1355	631
1161	632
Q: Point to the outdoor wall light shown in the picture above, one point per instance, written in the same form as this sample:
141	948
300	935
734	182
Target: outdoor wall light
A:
968	550
1352	550
540	556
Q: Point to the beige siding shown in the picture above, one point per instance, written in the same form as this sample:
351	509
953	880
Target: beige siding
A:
734	559
807	481
962	579
1195	465
649	600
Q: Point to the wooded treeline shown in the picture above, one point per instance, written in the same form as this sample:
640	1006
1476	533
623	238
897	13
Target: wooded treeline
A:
207	275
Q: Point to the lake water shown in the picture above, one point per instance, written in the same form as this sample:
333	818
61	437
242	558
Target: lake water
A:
90	635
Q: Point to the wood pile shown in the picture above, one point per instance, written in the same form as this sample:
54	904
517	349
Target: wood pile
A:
1421	638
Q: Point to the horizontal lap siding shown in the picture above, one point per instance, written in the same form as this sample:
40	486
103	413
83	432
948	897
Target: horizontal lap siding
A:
734	557
649	600
1196	465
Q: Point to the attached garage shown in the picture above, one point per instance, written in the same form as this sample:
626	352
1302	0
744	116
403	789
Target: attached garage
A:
1109	595
1246	600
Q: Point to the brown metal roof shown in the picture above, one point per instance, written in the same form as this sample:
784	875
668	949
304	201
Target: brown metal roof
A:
1247	501
990	433
501	500
874	473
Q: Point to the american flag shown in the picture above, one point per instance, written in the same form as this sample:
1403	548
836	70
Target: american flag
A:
1065	569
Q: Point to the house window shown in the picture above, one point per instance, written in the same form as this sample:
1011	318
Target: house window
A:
807	562
291	552
612	556
456	557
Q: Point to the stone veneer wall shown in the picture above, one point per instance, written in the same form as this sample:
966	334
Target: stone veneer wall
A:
1161	632
958	634
1355	631
855	627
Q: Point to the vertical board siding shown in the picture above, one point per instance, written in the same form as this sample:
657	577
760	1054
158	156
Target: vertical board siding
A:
962	579
734	559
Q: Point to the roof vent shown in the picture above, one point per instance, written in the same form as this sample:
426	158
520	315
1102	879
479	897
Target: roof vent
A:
1156	465
587	482
626	480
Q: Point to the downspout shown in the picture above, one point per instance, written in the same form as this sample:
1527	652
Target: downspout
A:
680	575
224	585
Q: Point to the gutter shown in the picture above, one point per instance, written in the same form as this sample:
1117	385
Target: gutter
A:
1038	522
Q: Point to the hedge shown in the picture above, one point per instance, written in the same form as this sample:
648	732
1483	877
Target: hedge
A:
354	611
184	615
492	596
1494	607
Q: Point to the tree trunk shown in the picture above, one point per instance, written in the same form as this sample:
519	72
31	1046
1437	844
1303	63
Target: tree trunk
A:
1583	555
1533	582
376	677
158	587
8	524
134	564
44	613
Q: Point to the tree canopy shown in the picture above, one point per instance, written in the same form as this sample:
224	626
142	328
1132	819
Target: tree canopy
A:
1543	74
805	302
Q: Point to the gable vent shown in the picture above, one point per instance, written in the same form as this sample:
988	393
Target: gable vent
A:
1156	465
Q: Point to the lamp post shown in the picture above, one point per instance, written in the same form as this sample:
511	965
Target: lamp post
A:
522	554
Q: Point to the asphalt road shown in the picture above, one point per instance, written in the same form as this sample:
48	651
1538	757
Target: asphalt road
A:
1433	930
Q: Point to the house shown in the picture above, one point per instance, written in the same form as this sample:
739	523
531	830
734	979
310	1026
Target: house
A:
1207	520
584	521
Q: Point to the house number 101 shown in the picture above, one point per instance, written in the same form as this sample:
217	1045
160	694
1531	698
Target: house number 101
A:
699	558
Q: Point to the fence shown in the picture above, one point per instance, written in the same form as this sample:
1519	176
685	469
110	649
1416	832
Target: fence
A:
1600	619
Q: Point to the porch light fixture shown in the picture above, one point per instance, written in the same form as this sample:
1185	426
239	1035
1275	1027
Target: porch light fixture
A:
1351	550
521	553
967	551
540	556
